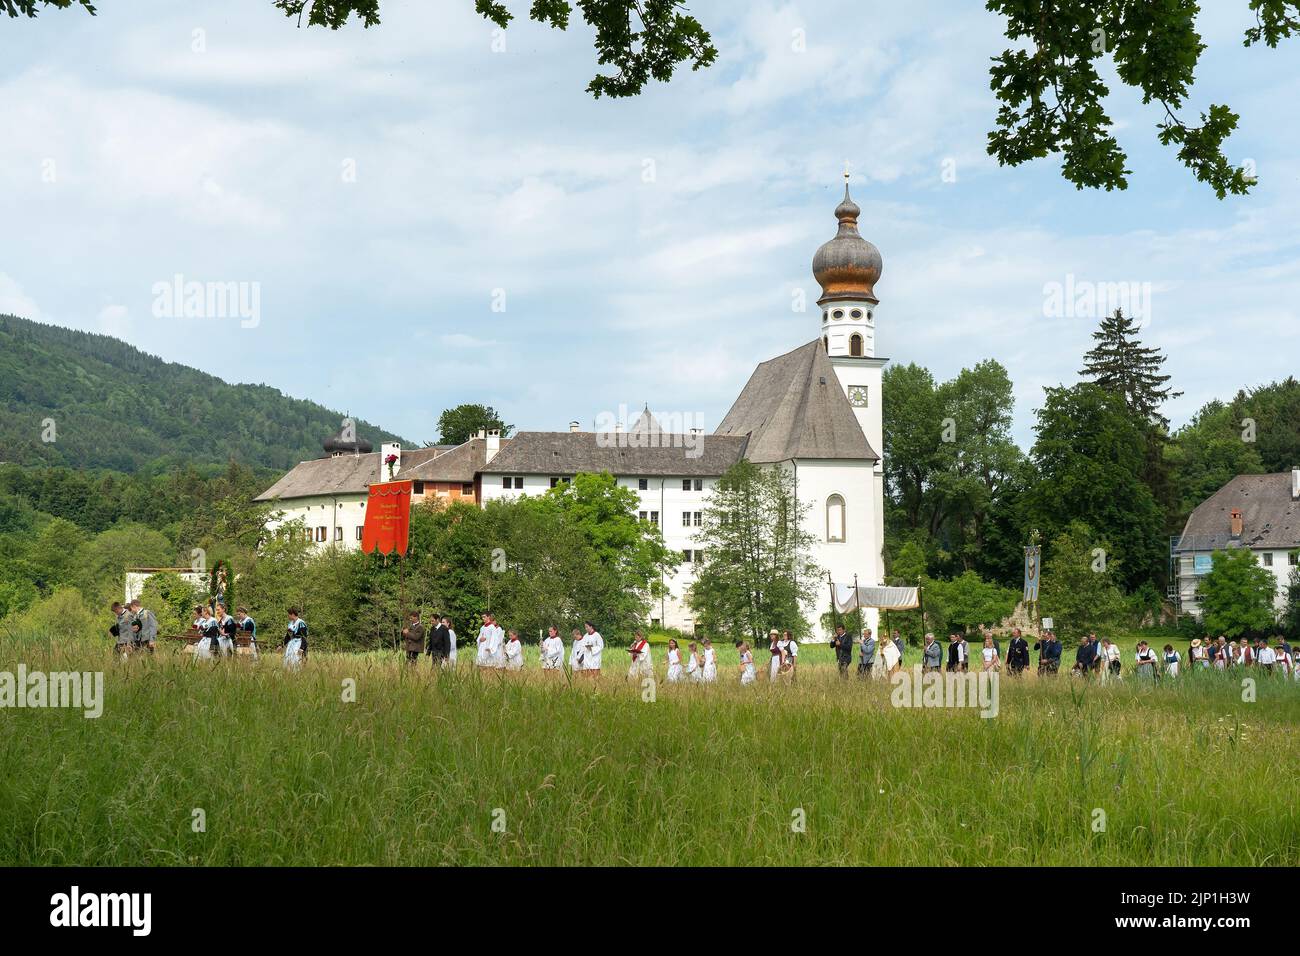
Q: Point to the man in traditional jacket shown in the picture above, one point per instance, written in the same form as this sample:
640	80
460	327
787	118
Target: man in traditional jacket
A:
147	636
843	646
413	638
1017	652
440	643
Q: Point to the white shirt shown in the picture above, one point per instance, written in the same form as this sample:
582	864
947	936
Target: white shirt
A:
552	652
1267	656
674	657
484	645
592	645
495	646
452	635
794	648
514	654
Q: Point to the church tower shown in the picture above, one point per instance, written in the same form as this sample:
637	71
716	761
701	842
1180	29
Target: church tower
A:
847	268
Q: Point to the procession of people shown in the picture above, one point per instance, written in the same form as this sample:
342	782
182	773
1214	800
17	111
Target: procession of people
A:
216	634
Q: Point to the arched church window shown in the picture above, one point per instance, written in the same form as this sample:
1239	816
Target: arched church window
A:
855	344
826	344
835	518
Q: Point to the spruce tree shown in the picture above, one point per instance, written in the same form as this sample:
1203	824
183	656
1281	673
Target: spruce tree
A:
1120	363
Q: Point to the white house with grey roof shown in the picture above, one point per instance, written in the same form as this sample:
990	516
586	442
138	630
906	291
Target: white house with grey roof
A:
815	410
1258	512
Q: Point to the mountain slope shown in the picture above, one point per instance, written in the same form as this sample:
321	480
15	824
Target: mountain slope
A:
116	407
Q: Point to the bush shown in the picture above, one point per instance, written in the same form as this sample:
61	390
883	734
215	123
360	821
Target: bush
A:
64	617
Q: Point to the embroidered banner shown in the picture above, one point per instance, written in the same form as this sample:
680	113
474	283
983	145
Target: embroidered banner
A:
388	518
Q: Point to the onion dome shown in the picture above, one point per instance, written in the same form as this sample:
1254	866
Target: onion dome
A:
847	266
339	445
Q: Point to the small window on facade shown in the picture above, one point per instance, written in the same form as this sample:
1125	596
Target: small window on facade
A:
856	313
1268	559
554	481
826	344
338	532
644	515
417	487
686	484
686	556
467	489
686	519
835	518
654	518
837	314
505	482
1293	558
360	529
643	484
699	555
696	518
699	484
320	533
855	344
519	483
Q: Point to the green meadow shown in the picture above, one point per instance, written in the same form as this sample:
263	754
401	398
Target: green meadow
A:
358	760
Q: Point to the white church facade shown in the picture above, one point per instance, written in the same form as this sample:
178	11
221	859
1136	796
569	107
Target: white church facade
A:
815	411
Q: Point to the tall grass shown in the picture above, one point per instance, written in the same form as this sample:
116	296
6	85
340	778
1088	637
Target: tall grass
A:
420	766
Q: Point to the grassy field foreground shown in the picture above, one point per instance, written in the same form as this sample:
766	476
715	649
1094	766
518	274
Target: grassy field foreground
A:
460	769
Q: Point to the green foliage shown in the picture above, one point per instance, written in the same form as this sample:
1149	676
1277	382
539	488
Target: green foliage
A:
966	602
1052	92
115	407
64	617
642	39
951	456
1290	619
458	425
1079	589
1089	454
758	570
1237	595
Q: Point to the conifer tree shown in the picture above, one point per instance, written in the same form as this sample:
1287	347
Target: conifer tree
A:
1120	363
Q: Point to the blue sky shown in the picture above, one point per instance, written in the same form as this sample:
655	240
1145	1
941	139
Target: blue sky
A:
649	250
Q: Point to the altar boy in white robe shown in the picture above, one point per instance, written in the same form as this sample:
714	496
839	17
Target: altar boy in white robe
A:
642	665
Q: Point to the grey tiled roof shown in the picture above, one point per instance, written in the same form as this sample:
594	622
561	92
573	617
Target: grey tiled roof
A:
461	463
1270	518
344	474
793	406
637	452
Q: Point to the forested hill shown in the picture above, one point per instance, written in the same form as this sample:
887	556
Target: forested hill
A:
116	407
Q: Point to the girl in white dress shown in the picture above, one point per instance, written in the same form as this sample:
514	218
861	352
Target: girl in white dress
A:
642	665
575	655
674	661
514	653
693	669
592	647
991	661
206	648
710	663
295	641
747	675
1172	660
775	646
552	651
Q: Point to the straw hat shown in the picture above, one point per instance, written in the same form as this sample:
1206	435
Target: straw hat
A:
1196	642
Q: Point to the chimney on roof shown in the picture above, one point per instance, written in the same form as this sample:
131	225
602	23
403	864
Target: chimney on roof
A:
1235	519
493	437
1295	483
573	426
481	433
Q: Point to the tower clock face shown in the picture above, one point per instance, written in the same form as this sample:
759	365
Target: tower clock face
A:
858	396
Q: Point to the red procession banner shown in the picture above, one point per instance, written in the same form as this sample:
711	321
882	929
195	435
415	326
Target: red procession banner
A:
388	518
